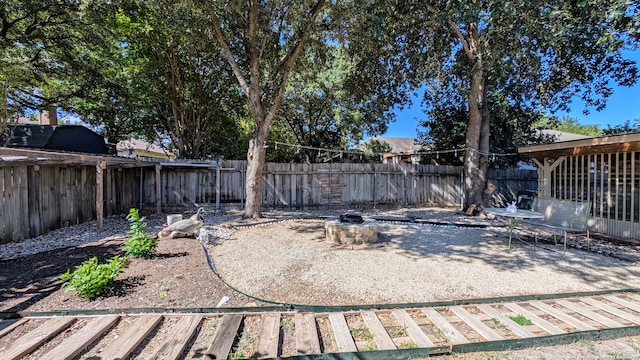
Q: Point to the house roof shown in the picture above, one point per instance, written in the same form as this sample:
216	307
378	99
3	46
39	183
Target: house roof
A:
586	146
562	135
23	156
400	145
140	145
74	138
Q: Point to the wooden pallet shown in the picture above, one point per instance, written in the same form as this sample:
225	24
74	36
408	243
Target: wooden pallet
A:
360	334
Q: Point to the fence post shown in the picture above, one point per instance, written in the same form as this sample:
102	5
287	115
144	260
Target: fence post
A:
461	189
330	185
242	186
218	164
158	189
100	194
406	197
141	188
374	185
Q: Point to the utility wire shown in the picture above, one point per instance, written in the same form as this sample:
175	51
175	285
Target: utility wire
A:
363	152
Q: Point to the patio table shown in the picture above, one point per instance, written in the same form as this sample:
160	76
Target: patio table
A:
513	218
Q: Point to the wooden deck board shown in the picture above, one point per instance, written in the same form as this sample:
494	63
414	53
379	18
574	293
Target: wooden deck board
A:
612	310
76	343
628	304
341	333
173	346
582	310
538	321
9	325
422	326
226	334
380	334
413	330
36	337
563	316
512	325
446	327
124	344
269	337
475	323
307	341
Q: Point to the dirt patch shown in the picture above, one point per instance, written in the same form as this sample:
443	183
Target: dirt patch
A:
178	276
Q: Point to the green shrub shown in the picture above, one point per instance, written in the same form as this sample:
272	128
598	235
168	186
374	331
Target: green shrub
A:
90	279
137	224
140	244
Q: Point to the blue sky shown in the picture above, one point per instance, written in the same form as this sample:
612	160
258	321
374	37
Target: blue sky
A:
623	105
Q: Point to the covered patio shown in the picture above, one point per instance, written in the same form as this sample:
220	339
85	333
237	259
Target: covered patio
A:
603	170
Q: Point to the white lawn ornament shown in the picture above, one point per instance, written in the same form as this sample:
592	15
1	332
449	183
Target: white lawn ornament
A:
184	228
511	208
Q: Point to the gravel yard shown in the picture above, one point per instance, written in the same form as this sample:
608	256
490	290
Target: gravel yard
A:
291	262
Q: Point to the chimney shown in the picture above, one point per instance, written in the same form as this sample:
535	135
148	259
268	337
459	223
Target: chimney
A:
49	117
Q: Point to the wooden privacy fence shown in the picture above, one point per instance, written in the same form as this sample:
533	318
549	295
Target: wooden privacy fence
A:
39	197
359	185
307	186
329	185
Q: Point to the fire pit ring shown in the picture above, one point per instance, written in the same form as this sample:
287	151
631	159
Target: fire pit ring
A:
351	229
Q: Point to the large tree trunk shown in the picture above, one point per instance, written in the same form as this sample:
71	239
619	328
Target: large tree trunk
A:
474	172
256	154
473	175
485	135
255	166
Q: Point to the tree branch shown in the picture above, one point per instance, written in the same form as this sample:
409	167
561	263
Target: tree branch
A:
227	50
461	37
252	38
292	56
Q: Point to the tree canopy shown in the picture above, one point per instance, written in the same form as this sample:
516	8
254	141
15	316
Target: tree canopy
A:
224	78
526	55
46	48
183	89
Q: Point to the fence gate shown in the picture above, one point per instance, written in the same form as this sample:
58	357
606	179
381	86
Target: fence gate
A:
330	187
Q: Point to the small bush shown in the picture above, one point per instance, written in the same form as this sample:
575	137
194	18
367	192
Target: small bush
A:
90	279
137	224
140	244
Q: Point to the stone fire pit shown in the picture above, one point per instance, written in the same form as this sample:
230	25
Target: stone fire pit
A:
351	229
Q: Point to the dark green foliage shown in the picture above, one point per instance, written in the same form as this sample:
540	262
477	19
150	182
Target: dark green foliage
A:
626	128
321	108
140	244
511	127
569	125
90	279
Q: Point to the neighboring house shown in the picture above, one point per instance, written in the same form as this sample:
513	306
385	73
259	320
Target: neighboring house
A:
403	150
74	138
602	170
561	135
42	131
135	148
